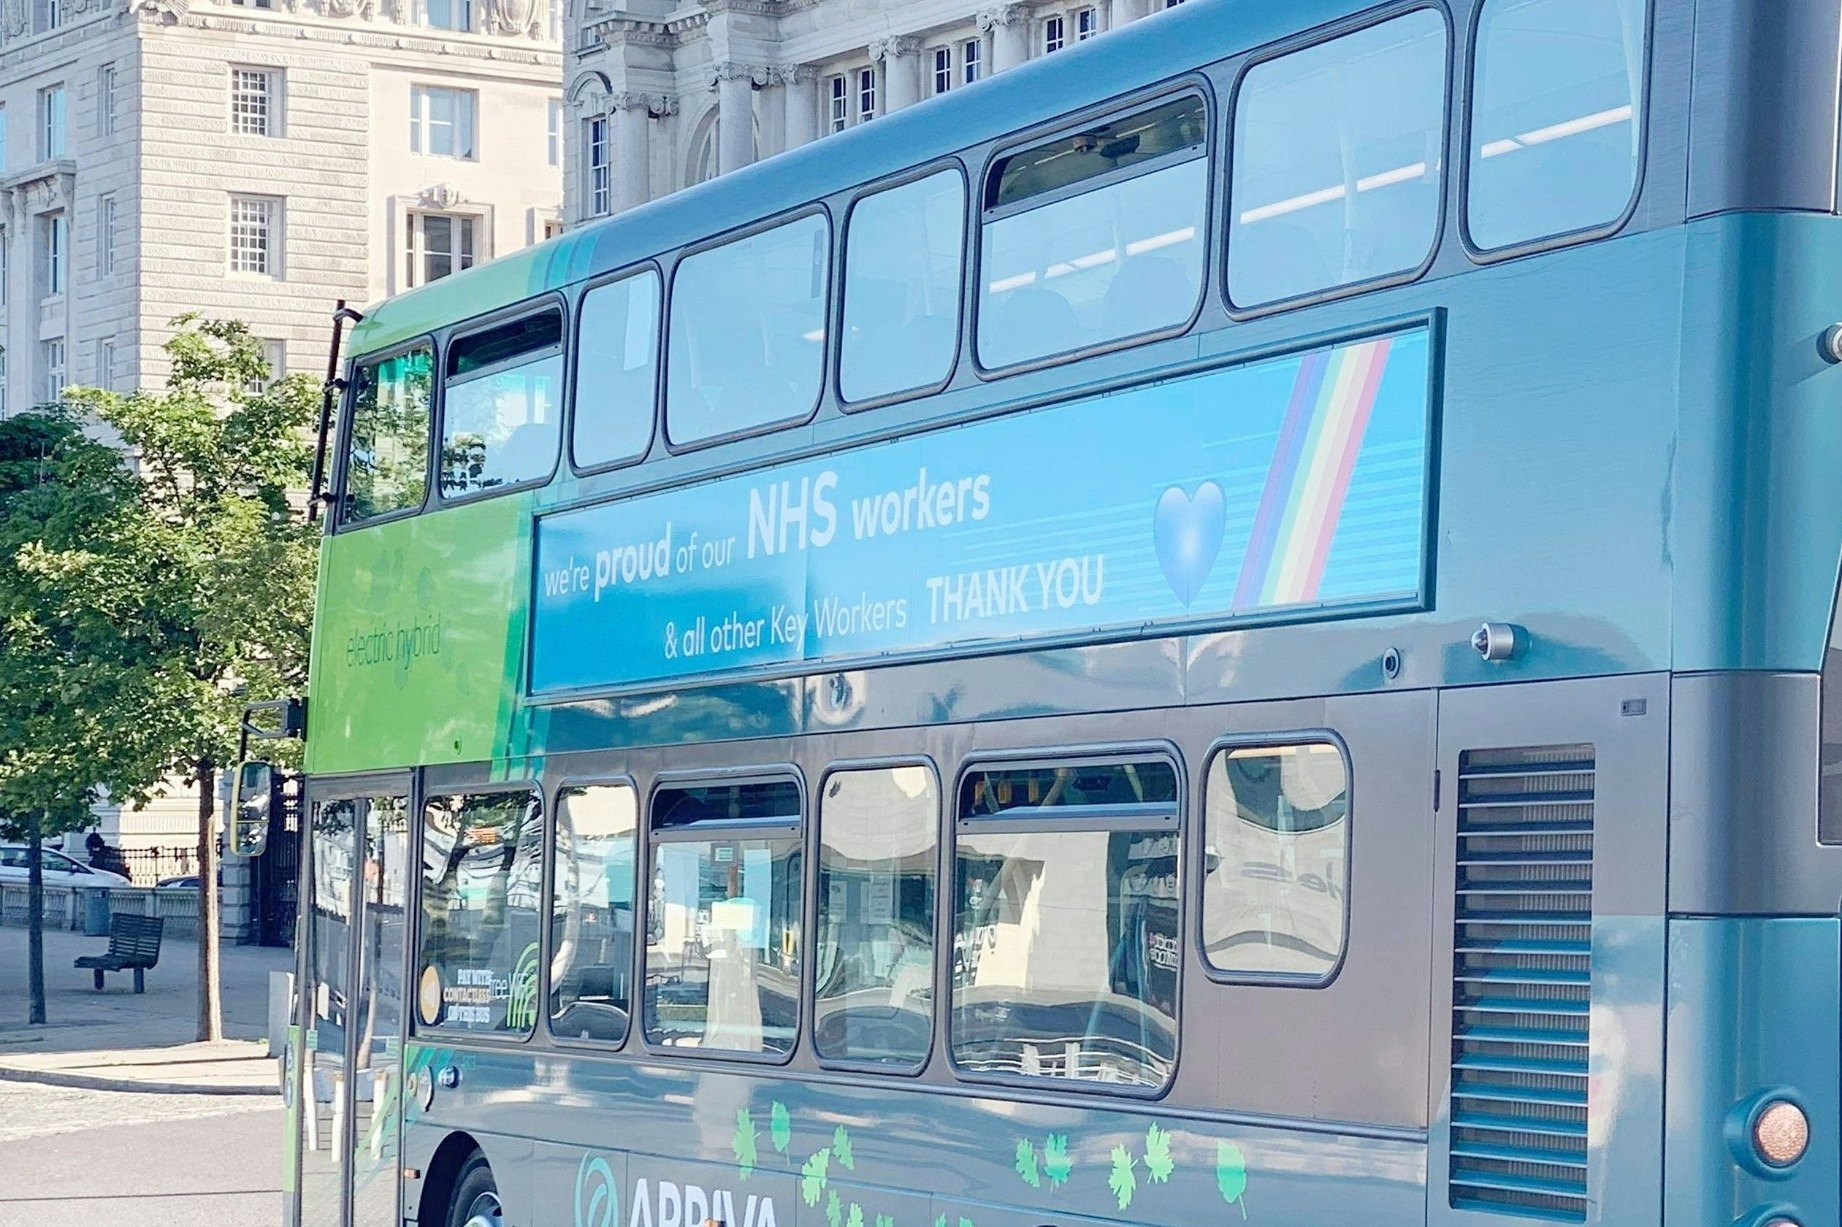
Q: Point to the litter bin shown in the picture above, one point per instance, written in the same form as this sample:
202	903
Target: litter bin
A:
96	913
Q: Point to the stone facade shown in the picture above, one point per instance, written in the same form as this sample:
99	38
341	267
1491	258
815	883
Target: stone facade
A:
662	95
257	159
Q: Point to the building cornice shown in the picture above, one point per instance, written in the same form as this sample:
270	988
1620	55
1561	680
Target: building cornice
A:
373	37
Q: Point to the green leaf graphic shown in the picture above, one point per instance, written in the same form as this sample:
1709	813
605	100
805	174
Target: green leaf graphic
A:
743	1143
1231	1174
834	1210
855	1217
1026	1164
964	1221
814	1175
885	1220
841	1150
1158	1163
780	1127
1056	1163
941	1221
1123	1181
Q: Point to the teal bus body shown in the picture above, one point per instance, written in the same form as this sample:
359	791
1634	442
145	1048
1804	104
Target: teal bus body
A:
1622	444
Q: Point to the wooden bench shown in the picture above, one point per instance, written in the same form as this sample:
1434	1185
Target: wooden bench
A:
134	945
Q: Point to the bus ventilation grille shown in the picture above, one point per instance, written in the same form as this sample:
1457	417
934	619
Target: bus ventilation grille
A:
1522	981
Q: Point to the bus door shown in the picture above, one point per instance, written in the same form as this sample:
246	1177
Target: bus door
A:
352	990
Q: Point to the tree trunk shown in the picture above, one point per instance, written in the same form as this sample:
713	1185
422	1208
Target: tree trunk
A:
35	918
210	992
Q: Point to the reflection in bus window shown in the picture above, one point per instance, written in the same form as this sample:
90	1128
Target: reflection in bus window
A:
481	861
617	366
501	406
902	255
1555	141
387	447
1338	166
747	333
591	912
1067	928
875	979
1096	237
723	925
329	970
1275	886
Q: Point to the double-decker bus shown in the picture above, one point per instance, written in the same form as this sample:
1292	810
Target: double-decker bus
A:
1231	625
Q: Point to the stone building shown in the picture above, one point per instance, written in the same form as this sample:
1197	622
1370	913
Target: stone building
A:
256	159
662	95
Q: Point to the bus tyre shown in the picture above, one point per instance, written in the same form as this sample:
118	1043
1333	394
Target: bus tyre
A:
476	1196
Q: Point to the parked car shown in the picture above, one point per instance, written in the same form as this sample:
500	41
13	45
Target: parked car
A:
60	870
187	881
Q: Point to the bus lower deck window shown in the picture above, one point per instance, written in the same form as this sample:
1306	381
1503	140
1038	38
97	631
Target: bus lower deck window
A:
592	913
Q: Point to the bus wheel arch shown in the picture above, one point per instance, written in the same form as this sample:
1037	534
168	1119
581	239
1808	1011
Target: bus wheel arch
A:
452	1162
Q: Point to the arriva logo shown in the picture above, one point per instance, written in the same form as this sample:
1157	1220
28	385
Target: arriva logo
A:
597	1199
690	1206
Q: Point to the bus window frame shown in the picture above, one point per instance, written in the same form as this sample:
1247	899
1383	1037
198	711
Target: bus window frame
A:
1199	871
1486	256
651	838
668	299
1321	36
978	213
349	408
546	948
412	1009
573	364
485	323
1092	754
968	223
942	900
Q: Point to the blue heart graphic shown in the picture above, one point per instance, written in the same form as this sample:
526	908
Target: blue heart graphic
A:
1187	530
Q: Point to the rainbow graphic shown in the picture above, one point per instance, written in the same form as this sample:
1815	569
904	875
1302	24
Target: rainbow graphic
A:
1303	500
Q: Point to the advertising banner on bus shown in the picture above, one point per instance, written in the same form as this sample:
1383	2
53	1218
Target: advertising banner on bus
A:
1280	488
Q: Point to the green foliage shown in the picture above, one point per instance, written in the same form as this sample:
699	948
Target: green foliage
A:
780	1127
743	1143
855	1217
1026	1164
1231	1174
1158	1163
814	1174
834	1210
841	1149
1124	1179
1056	1163
885	1220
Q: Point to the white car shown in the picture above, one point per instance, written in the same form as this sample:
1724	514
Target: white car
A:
60	870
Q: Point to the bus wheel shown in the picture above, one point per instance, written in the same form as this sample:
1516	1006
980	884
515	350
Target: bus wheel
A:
476	1196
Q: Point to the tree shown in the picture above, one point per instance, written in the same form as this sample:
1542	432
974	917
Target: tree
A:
59	489
204	579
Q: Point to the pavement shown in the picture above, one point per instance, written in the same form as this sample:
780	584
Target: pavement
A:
117	1039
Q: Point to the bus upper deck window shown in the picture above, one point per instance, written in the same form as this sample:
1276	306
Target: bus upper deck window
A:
746	341
723	921
387	451
500	410
1338	166
617	366
903	249
1555	138
1095	236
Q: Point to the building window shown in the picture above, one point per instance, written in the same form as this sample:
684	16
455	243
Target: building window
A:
448	14
105	235
2	381
838	103
54	371
105	100
1055	34
943	69
105	364
1087	24
6	265
439	244
972	59
51	131
254	4
253	225
553	227
48	15
57	250
441	121
554	133
555	13
1171	4
274	366
600	169
866	95
2	138
252	101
